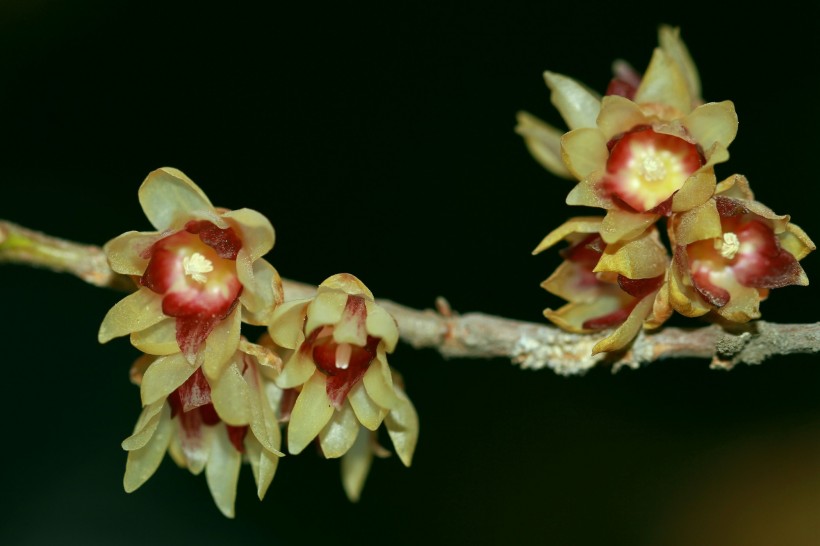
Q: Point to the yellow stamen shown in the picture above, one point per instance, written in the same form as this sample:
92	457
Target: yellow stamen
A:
729	246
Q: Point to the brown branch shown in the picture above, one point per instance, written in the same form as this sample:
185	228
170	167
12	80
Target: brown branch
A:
474	335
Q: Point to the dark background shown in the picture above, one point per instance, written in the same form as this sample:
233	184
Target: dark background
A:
379	141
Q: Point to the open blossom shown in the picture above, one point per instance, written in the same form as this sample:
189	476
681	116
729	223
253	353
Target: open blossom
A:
199	275
615	285
336	370
730	251
643	152
205	424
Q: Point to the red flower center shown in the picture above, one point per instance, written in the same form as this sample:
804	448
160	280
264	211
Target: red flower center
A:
195	270
646	168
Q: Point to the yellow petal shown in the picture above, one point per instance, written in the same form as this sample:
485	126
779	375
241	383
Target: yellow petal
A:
287	323
169	198
544	143
572	316
347	283
262	291
683	297
159	339
310	414
125	252
367	411
256	231
700	223
382	325
133	313
641	258
664	83
735	186
403	426
697	189
230	395
143	462
715	122
584	151
340	433
619	225
579	224
356	465
671	43
565	283
587	193
263	464
627	331
298	369
163	377
326	308
796	242
619	115
145	428
222	471
222	343
743	304
577	105
378	382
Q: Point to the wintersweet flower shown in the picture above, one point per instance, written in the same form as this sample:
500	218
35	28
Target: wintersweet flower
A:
730	251
206	424
615	285
199	275
336	358
638	157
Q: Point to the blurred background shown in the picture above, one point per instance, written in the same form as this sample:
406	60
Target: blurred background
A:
379	141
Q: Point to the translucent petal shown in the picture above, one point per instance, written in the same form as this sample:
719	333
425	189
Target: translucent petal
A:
125	252
222	343
587	193
619	225
159	339
682	295
796	242
735	186
584	151
382	325
664	83
572	316
222	471
403	426
143	462
356	465
340	433
163	377
347	283
257	231
627	331
133	313
671	43
579	224
310	414
544	143
577	105
264	423
566	283
230	395
263	464
169	198
367	411
378	382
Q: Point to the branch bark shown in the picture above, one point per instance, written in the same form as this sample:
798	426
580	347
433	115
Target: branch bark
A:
474	335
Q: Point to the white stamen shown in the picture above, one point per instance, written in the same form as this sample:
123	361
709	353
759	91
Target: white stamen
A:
196	265
343	352
729	246
653	167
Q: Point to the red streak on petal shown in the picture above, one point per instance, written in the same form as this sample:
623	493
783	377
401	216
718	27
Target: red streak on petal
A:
341	380
286	404
225	242
727	207
621	88
237	437
639	288
712	293
195	392
769	265
587	252
609	320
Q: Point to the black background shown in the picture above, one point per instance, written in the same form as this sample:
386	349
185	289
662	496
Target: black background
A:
379	141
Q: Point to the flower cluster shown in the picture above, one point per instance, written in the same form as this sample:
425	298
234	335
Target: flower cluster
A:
211	399
645	152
